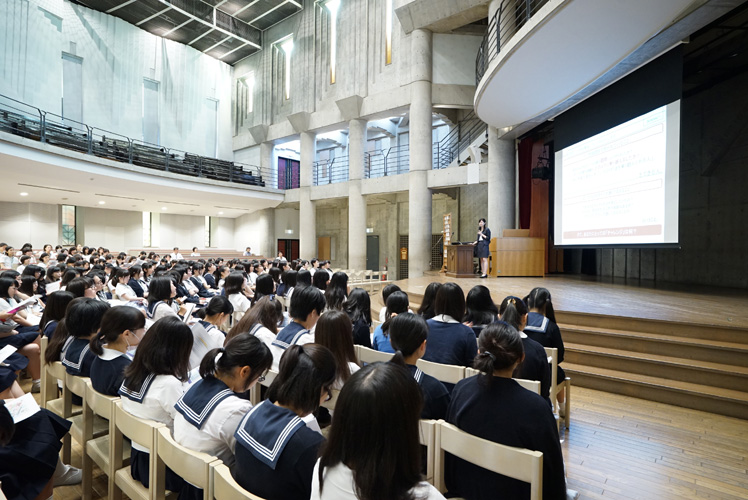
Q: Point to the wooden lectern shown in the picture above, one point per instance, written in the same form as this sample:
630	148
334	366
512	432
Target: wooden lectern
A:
460	261
516	254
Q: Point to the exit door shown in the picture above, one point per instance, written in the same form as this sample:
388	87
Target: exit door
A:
372	252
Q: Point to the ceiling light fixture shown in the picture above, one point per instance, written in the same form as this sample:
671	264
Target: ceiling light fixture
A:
102	202
24	194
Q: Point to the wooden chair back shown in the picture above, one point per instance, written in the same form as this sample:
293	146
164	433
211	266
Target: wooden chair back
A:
530	385
225	486
428	439
450	374
186	463
366	355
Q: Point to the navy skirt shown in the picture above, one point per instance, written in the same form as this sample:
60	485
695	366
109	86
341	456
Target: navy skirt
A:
481	250
25	336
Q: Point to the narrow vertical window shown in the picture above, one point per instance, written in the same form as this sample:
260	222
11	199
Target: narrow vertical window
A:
247	85
150	111
287	48
68	225
332	6
72	87
147	229
388	31
207	231
211	127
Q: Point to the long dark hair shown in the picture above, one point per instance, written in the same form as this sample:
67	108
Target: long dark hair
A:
113	324
480	308
266	312
500	347
512	310
540	298
217	305
54	310
159	289
303	278
407	333
336	292
264	287
450	301
164	350
372	399
82	318
242	350
320	279
358	306
397	303
335	331
304	372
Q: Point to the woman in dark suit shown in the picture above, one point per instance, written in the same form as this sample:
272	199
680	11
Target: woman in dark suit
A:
481	246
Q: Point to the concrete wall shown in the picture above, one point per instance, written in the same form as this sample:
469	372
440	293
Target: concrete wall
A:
34	223
713	201
113	229
117	56
454	58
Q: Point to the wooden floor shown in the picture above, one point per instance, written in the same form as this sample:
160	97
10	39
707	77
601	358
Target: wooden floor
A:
612	296
624	448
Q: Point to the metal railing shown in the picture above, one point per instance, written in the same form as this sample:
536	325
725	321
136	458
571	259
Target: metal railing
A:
503	25
27	121
385	162
330	171
458	140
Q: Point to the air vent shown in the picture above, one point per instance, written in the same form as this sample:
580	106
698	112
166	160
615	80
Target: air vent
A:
48	187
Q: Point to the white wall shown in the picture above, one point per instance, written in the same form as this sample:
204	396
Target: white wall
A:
222	235
453	60
117	56
113	229
286	218
183	231
34	223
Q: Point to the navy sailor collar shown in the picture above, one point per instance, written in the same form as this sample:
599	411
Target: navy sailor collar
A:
198	403
69	350
289	336
266	430
536	322
139	395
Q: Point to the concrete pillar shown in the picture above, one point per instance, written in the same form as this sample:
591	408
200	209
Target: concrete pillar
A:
307	208
266	163
501	183
268	246
356	202
419	203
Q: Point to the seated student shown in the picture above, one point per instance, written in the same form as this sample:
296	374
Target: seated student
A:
335	331
122	290
306	306
57	303
220	275
197	279
450	342
208	279
211	410
207	333
480	309
408	334
161	295
261	321
155	380
24	338
9	298
264	287
275	446
397	303
186	291
122	329
542	328
336	292
303	278
82	321
320	280
234	287
358	465
386	291
519	418
82	286
358	308
535	365
135	281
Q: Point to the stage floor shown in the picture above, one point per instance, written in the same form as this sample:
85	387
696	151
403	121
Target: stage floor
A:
613	297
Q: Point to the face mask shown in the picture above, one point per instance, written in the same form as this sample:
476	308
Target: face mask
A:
131	348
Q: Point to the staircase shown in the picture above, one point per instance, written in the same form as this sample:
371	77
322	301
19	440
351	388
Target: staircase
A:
695	366
467	141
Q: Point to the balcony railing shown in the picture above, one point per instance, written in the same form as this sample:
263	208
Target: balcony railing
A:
459	138
503	25
385	162
330	171
27	121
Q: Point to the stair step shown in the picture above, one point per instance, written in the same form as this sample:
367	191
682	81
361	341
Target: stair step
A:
701	397
668	367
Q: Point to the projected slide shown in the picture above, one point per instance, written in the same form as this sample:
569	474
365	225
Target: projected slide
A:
621	186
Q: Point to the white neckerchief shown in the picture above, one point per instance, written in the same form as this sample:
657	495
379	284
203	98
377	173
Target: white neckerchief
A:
444	318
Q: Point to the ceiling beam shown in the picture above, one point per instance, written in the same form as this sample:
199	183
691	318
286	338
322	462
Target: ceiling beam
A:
216	44
268	12
200	36
177	28
119	6
250	4
232	51
154	15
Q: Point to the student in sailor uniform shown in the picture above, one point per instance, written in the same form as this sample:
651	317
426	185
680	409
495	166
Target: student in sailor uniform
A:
275	447
535	365
480	309
206	332
122	328
306	305
82	321
261	321
203	288
359	465
208	277
186	291
518	418
358	308
335	331
397	303
542	328
155	380
123	291
211	410
136	282
408	333
57	303
161	302
450	342
234	287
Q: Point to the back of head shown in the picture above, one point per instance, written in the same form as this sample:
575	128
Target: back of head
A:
304	372
320	280
159	289
397	303
450	300
358	306
234	283
388	290
265	285
242	350
500	347
512	310
266	312
217	305
337	290
334	330
304	301
479	306
407	333
372	399
84	316
303	278
540	299
164	350
114	322
78	286
57	303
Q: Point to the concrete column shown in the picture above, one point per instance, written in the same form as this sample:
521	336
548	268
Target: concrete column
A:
356	202
268	247
307	208
501	183
266	163
419	203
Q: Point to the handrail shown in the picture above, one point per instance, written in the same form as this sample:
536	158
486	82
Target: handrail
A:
385	162
44	126
330	171
458	140
510	17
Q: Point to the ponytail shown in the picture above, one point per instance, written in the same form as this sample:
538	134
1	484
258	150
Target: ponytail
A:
397	303
398	359
113	324
540	298
512	310
242	350
500	346
209	364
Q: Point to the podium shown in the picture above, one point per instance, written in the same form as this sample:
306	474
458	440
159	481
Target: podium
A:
460	261
516	254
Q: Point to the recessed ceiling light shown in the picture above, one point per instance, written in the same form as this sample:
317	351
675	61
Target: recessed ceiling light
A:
220	213
102	202
24	194
164	208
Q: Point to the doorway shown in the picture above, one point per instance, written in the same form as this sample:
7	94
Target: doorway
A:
372	252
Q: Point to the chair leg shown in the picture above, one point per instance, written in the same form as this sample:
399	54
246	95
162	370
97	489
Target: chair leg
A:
87	484
567	402
66	449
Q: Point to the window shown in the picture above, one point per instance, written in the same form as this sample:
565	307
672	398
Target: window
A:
287	48
150	112
147	229
72	87
211	126
388	31
207	231
332	6
245	93
68	225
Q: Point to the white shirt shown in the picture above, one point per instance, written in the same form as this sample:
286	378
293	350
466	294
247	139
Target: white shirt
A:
240	302
216	436
20	268
263	334
121	290
163	310
158	403
353	368
339	485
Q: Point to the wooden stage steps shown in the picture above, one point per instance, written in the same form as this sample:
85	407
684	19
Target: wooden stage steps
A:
703	367
674	344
